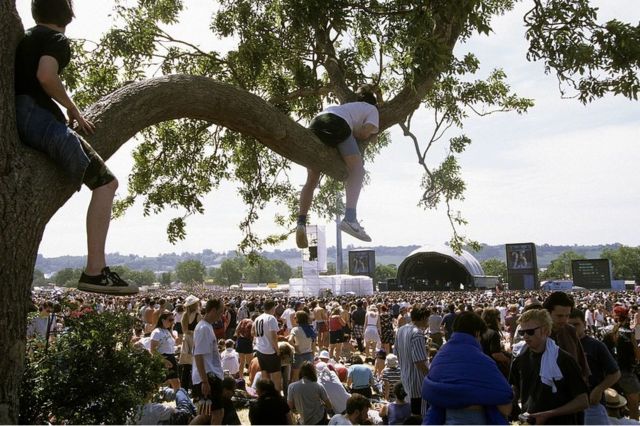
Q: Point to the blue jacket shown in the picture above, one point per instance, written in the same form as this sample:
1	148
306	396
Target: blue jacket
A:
462	375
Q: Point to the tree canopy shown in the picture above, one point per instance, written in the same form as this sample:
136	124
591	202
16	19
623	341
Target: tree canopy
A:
299	55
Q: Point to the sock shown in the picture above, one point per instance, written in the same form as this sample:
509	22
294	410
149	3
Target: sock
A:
302	219
350	215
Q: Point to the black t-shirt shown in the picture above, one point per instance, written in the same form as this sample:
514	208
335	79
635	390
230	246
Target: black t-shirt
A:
40	41
358	316
601	362
269	411
536	396
230	413
490	342
622	350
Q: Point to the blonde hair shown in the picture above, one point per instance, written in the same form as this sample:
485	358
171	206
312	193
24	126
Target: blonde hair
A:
541	316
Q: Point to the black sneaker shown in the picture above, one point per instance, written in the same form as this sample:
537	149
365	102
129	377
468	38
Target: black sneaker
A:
108	283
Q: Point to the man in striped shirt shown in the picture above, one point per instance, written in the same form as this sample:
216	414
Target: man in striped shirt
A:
411	350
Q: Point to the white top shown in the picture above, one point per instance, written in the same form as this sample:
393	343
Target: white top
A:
286	315
355	113
206	344
264	324
434	323
303	342
166	342
339	419
230	360
371	319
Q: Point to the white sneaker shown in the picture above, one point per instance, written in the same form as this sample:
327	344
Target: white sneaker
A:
355	230
301	237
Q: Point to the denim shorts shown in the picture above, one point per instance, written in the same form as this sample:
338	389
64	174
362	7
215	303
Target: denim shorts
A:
41	130
298	359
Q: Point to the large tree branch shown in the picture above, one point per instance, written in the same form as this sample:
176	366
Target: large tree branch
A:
122	114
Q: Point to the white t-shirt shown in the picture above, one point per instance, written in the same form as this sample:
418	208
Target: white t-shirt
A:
166	342
339	419
206	344
286	316
303	342
435	321
264	324
355	114
230	360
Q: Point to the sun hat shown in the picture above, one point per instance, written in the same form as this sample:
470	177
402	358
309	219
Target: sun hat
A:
613	399
324	354
391	361
190	300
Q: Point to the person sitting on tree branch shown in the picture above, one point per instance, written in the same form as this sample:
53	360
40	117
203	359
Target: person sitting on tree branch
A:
342	126
41	56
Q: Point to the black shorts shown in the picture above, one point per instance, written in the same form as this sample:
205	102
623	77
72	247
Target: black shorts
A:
331	129
216	392
244	345
336	336
269	362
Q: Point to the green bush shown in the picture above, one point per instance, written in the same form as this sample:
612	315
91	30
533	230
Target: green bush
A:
91	374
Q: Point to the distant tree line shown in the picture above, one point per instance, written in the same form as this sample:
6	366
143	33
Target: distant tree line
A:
625	263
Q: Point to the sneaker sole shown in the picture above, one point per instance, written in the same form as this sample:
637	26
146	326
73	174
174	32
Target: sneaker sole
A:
104	289
301	239
349	230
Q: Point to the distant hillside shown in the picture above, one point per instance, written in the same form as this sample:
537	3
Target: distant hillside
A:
384	255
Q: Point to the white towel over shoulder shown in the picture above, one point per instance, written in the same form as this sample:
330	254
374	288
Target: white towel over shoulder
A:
549	370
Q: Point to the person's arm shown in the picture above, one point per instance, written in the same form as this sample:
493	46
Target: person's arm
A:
273	338
578	403
206	389
505	409
609	380
49	79
327	403
292	341
364	131
500	357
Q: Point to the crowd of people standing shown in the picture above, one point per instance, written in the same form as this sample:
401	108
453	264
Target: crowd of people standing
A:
391	358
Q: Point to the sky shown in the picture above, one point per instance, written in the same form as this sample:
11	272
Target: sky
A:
563	173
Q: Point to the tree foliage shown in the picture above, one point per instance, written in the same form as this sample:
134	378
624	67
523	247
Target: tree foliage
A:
560	267
299	55
258	270
625	262
494	267
91	374
190	271
384	272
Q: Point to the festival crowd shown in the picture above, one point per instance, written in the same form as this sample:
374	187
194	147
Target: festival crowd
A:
391	358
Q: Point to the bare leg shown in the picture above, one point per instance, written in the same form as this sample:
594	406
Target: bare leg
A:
276	378
353	185
306	194
98	219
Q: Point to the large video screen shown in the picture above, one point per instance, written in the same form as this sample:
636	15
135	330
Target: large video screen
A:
362	262
521	257
591	273
522	266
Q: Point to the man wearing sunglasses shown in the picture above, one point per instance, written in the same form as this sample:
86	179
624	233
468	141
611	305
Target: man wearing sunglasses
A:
546	379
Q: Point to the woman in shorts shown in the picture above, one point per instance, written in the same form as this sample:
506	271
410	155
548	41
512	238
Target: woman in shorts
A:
336	333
